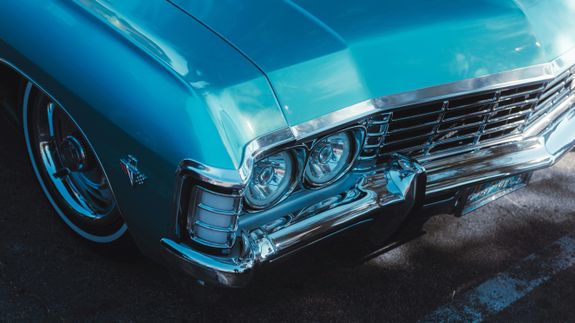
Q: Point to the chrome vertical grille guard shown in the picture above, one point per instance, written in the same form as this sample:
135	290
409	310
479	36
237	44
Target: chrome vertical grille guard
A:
391	192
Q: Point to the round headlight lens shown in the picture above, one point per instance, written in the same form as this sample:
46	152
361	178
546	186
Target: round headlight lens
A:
328	159
272	178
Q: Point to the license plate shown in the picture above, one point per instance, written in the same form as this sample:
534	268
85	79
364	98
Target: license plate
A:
486	193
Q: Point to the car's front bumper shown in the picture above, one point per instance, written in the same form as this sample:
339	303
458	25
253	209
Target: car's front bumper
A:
392	192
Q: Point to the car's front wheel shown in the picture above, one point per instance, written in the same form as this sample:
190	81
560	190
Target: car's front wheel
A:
69	170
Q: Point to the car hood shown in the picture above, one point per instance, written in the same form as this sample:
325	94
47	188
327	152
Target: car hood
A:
321	56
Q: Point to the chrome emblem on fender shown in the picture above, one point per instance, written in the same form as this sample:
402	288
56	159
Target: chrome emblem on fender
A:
130	168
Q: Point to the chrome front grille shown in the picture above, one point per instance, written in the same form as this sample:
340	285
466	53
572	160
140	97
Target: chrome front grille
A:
448	126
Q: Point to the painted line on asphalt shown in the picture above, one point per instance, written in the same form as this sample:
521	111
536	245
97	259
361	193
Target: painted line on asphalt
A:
506	288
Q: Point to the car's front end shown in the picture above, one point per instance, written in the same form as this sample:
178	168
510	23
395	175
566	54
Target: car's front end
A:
288	123
450	148
493	102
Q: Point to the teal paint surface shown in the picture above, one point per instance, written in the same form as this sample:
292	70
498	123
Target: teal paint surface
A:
322	56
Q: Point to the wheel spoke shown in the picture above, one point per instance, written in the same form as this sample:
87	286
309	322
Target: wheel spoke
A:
97	191
50	110
59	129
61	173
80	196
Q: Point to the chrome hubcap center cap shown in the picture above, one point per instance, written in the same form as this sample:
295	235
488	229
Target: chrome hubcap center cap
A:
72	154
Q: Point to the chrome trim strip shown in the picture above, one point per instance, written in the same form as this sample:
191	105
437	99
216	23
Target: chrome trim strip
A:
334	119
226	178
259	146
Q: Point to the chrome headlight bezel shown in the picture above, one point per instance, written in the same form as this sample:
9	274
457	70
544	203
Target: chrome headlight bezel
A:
356	138
298	157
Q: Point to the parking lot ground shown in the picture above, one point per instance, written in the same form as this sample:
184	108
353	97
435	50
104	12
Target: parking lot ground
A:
47	274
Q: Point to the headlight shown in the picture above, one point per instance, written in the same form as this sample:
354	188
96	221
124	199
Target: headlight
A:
329	158
272	179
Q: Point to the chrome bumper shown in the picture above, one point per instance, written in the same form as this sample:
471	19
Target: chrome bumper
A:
389	192
392	191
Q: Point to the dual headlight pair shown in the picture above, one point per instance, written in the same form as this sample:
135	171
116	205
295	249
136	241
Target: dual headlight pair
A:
329	158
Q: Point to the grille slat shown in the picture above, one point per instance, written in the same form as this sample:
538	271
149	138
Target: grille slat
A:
506	105
453	139
461	127
453	117
553	91
509	116
528	93
464	122
406	129
416	116
403	137
469	106
498	128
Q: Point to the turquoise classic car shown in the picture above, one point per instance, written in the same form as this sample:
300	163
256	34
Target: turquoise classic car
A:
222	136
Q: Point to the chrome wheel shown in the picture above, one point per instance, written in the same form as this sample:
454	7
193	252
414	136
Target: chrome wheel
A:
69	170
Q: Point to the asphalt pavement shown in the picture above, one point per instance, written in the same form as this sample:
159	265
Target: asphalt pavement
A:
46	274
